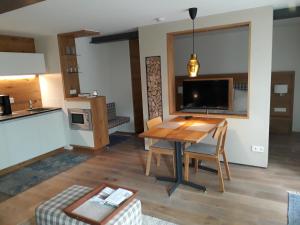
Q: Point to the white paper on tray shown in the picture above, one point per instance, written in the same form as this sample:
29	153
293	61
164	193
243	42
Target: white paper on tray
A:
100	197
118	196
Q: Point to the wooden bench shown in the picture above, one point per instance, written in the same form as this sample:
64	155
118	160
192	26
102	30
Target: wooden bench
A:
113	119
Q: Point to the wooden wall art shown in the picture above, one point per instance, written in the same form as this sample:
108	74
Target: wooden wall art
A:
154	86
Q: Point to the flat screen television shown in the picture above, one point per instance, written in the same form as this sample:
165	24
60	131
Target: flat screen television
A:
207	94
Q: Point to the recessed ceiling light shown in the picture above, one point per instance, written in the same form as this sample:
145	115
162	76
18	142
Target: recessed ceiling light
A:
159	19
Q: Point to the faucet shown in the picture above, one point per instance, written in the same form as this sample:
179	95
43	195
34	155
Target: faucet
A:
30	104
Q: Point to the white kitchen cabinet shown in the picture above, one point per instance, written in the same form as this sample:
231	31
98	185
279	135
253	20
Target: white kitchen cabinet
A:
15	63
51	134
25	138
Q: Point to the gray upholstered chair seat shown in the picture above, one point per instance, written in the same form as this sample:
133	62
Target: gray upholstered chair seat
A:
202	148
164	144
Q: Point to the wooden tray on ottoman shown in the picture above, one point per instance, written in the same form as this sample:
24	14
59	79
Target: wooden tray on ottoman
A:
70	209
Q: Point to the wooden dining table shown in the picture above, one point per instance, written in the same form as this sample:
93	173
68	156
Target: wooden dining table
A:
182	130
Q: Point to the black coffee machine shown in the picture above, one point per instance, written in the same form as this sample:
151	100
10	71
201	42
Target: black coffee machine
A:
5	107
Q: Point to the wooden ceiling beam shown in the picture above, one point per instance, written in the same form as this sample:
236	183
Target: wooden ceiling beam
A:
286	13
10	5
115	37
80	33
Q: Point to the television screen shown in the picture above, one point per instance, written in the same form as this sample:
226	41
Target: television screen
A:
206	94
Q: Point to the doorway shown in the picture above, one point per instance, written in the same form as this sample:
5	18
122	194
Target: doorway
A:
136	85
285	93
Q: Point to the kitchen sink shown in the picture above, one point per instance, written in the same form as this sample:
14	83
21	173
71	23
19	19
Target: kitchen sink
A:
39	109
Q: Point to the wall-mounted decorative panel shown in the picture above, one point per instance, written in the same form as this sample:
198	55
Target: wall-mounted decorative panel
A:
154	86
16	44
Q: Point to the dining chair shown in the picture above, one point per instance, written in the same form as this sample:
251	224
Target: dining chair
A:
209	152
159	147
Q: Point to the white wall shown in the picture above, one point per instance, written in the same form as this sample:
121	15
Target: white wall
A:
223	51
121	82
51	84
242	132
106	67
286	57
52	90
49	46
94	65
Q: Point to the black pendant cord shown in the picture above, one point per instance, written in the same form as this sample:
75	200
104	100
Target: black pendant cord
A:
193	37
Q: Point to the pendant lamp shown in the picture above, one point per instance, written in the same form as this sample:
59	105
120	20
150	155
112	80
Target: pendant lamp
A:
193	64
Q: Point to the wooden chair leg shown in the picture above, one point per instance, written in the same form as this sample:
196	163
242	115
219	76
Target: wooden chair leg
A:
174	164
149	157
158	160
186	166
226	165
196	165
221	181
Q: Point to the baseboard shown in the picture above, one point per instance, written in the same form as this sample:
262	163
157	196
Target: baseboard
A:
30	161
124	133
79	147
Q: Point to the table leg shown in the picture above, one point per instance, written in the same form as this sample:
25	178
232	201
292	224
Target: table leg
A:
179	176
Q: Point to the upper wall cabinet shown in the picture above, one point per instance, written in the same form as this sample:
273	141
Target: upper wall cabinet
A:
13	63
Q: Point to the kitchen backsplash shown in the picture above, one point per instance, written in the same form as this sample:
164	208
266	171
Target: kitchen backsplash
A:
22	90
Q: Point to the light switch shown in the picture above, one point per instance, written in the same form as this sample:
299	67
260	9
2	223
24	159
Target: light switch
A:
73	92
256	148
283	110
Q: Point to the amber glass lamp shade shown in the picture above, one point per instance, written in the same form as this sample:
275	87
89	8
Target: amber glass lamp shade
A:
193	66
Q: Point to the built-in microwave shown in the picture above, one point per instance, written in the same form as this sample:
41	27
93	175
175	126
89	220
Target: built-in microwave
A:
80	119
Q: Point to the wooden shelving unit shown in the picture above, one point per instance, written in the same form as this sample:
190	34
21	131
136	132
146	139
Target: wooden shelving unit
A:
68	61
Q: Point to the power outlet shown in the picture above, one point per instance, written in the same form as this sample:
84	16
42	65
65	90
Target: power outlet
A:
73	92
256	148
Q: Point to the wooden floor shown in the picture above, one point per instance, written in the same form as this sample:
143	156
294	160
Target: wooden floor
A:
254	196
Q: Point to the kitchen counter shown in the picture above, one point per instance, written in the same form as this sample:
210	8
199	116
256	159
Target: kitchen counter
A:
25	113
83	98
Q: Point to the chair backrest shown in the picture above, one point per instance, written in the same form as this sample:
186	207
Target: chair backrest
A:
154	122
220	135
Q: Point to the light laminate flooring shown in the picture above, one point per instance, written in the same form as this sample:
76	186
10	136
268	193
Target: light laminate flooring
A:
254	196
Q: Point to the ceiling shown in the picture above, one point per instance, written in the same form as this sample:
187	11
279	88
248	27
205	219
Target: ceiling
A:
58	16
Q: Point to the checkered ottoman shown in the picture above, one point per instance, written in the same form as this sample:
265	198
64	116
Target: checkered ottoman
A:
50	212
